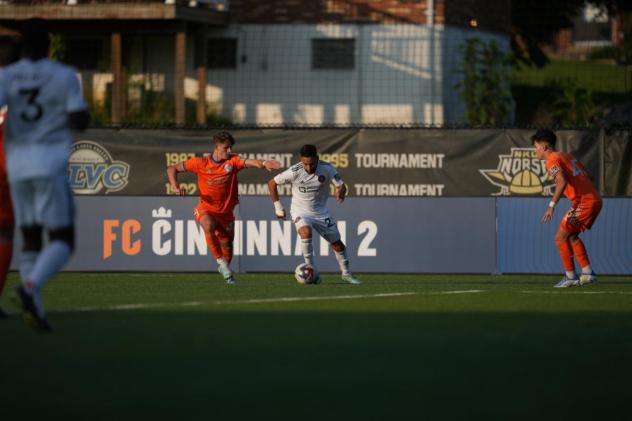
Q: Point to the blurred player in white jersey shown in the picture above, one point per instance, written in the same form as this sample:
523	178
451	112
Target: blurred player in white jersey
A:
310	189
44	103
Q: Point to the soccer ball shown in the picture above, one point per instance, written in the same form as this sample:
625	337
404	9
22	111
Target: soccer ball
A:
306	274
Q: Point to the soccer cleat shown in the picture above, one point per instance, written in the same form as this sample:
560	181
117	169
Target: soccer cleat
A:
567	283
351	279
587	278
226	273
33	313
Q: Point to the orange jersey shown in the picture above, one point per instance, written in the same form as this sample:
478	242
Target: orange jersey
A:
6	209
579	184
3	162
217	181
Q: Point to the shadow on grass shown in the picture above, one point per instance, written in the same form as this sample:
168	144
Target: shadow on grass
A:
288	365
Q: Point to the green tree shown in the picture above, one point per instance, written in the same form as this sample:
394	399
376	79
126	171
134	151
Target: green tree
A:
485	87
574	106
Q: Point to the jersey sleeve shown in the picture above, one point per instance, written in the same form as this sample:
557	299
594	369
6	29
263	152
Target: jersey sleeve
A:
554	166
237	162
74	98
193	164
285	177
335	177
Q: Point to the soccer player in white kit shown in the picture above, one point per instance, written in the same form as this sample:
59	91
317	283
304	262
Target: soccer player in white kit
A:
310	180
44	103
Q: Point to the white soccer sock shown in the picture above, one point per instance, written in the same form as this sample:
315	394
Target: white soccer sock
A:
587	270
343	261
571	275
27	261
50	261
221	261
308	250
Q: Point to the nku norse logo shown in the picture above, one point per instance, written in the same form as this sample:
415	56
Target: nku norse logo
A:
91	169
521	172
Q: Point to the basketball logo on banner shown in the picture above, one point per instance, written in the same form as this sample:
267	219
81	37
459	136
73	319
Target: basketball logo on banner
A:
520	173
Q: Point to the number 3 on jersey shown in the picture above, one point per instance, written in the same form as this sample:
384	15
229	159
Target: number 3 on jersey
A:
33	110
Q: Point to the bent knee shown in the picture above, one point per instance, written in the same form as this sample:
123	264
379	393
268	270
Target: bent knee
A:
338	246
305	232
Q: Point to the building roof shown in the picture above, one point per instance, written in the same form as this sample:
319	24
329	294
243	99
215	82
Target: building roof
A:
212	12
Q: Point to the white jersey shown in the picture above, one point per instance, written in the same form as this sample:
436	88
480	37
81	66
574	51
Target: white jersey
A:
310	191
39	95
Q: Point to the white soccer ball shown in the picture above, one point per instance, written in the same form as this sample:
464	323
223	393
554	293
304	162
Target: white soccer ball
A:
306	274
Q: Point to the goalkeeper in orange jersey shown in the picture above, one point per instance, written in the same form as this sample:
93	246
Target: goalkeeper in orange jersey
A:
571	180
217	182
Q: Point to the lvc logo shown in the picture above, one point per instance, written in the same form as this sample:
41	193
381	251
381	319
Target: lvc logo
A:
521	172
92	170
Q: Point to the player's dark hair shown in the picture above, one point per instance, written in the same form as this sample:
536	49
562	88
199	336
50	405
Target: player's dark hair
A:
35	38
309	151
223	137
544	136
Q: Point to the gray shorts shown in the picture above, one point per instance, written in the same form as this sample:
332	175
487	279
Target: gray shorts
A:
43	201
325	226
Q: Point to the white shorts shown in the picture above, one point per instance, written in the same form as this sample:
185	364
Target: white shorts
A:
325	226
43	201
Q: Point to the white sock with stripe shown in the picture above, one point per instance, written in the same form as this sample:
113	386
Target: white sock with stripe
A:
307	249
343	261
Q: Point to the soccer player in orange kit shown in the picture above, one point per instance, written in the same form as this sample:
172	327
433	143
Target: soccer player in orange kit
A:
7	222
6	216
572	180
217	182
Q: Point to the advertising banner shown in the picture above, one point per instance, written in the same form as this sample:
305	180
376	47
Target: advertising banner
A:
382	235
618	162
373	163
388	235
525	244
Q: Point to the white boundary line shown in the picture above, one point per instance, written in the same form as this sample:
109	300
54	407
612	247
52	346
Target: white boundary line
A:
566	292
138	306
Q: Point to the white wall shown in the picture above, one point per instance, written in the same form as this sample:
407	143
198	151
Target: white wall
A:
404	74
274	82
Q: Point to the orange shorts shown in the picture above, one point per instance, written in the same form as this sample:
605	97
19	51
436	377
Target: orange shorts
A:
224	223
6	207
581	216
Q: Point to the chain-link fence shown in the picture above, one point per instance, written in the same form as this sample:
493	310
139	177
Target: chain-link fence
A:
343	63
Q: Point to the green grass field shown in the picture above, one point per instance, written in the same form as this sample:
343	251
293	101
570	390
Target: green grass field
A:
185	346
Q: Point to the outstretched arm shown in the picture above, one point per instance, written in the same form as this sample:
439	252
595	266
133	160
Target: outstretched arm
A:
341	192
268	164
274	194
172	174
